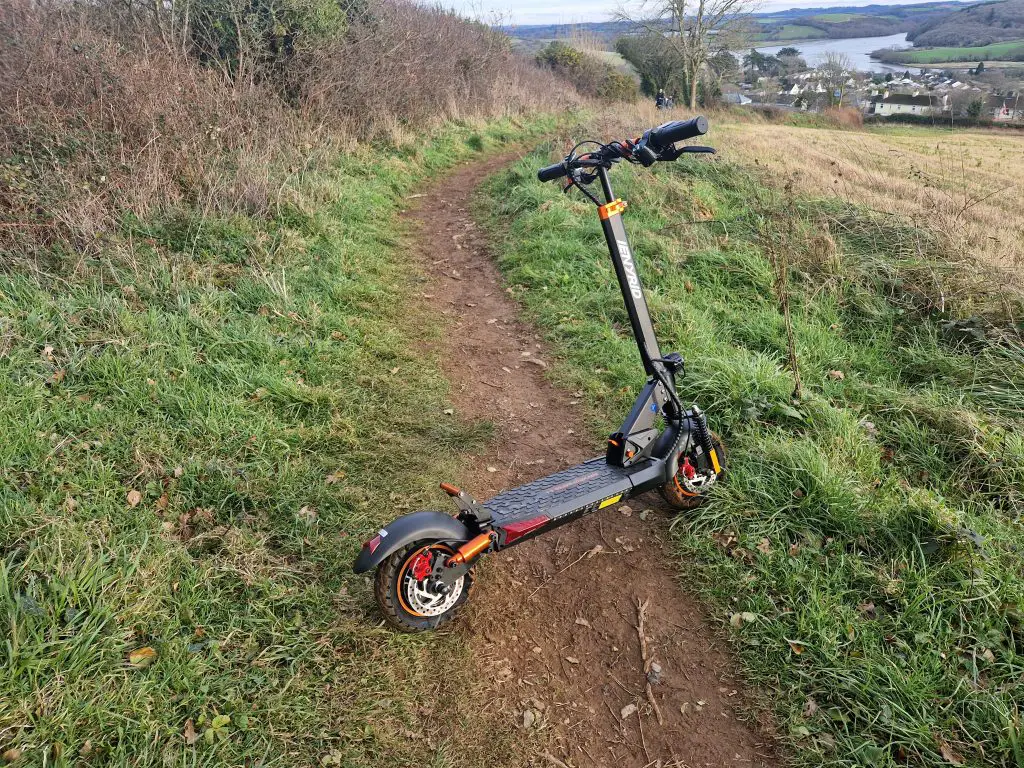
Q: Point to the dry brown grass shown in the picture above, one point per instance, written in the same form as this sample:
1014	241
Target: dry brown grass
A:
964	185
100	118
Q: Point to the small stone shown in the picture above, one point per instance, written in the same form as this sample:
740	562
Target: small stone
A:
492	469
572	659
529	718
582	622
645	514
627	710
626	510
537	649
685	708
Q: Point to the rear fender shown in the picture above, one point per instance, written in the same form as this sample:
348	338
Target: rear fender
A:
416	526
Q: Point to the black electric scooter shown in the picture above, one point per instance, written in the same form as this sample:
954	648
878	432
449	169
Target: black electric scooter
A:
425	559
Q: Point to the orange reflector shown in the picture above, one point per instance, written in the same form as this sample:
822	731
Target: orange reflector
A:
608	210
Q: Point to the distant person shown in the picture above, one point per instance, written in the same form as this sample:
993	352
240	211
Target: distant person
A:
661	101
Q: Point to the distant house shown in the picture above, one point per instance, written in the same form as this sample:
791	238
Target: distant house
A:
1009	107
735	98
904	104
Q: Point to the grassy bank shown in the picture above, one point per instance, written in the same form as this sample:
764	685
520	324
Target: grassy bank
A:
198	422
1012	50
864	554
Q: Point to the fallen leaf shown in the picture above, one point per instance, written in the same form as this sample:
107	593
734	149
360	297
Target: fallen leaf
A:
736	620
162	502
764	546
572	659
627	710
810	707
307	514
797	648
948	754
142	657
684	708
492	469
190	735
988	656
626	510
86	748
582	622
334	477
794	549
836	375
11	755
867	610
537	361
529	718
134	498
179	471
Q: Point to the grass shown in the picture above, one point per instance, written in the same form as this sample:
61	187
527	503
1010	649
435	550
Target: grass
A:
864	554
198	427
1012	50
793	32
961	183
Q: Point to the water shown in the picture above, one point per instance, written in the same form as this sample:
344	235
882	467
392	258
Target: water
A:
858	49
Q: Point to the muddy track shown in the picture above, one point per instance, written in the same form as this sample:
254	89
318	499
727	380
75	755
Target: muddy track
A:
554	622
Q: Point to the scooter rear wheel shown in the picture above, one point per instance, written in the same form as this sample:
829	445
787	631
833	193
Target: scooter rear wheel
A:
684	493
410	597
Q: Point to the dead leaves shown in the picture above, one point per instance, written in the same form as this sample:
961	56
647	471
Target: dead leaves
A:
142	657
189	734
134	498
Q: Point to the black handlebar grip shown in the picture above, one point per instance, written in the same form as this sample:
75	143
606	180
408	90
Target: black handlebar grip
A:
678	130
552	172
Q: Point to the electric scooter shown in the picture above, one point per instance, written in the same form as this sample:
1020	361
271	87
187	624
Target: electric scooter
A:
425	560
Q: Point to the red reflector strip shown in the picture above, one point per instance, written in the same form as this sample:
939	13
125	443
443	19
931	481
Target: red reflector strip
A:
373	544
520	528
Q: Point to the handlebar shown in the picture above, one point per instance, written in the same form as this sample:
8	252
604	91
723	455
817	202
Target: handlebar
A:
656	144
552	172
667	134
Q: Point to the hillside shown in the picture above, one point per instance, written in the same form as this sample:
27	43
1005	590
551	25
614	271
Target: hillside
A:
978	25
792	24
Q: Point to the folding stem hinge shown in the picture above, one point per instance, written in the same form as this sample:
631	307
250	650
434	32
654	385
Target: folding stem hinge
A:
468	506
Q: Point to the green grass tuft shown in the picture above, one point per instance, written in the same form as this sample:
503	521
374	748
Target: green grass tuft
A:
198	427
873	526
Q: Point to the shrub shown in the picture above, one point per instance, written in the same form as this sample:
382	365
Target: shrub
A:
113	109
590	75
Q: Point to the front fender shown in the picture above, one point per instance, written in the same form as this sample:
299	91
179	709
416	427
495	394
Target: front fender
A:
425	524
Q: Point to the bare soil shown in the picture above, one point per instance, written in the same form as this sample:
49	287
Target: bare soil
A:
553	622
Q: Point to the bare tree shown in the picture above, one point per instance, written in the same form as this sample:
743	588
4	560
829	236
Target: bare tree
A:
835	69
696	30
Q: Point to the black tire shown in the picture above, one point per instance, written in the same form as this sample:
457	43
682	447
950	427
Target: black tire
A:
679	498
392	587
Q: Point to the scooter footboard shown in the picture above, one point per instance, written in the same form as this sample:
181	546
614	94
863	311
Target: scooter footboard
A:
426	524
548	502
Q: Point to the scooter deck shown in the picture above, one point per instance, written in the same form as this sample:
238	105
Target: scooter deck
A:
543	503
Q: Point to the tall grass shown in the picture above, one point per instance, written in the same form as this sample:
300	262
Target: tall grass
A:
871	528
108	110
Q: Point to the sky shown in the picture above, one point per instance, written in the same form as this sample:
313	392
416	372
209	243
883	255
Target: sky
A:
575	12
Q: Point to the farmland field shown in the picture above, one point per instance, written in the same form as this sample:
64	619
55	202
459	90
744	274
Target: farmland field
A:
962	183
1012	50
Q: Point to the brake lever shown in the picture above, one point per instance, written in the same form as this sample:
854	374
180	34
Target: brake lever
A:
675	152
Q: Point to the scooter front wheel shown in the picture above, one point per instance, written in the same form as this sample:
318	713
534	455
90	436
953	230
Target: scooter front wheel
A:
690	487
410	595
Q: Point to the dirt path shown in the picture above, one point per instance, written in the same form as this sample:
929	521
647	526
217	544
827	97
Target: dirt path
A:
554	621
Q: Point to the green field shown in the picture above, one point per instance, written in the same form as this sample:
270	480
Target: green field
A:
792	32
1008	51
836	17
191	422
864	551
